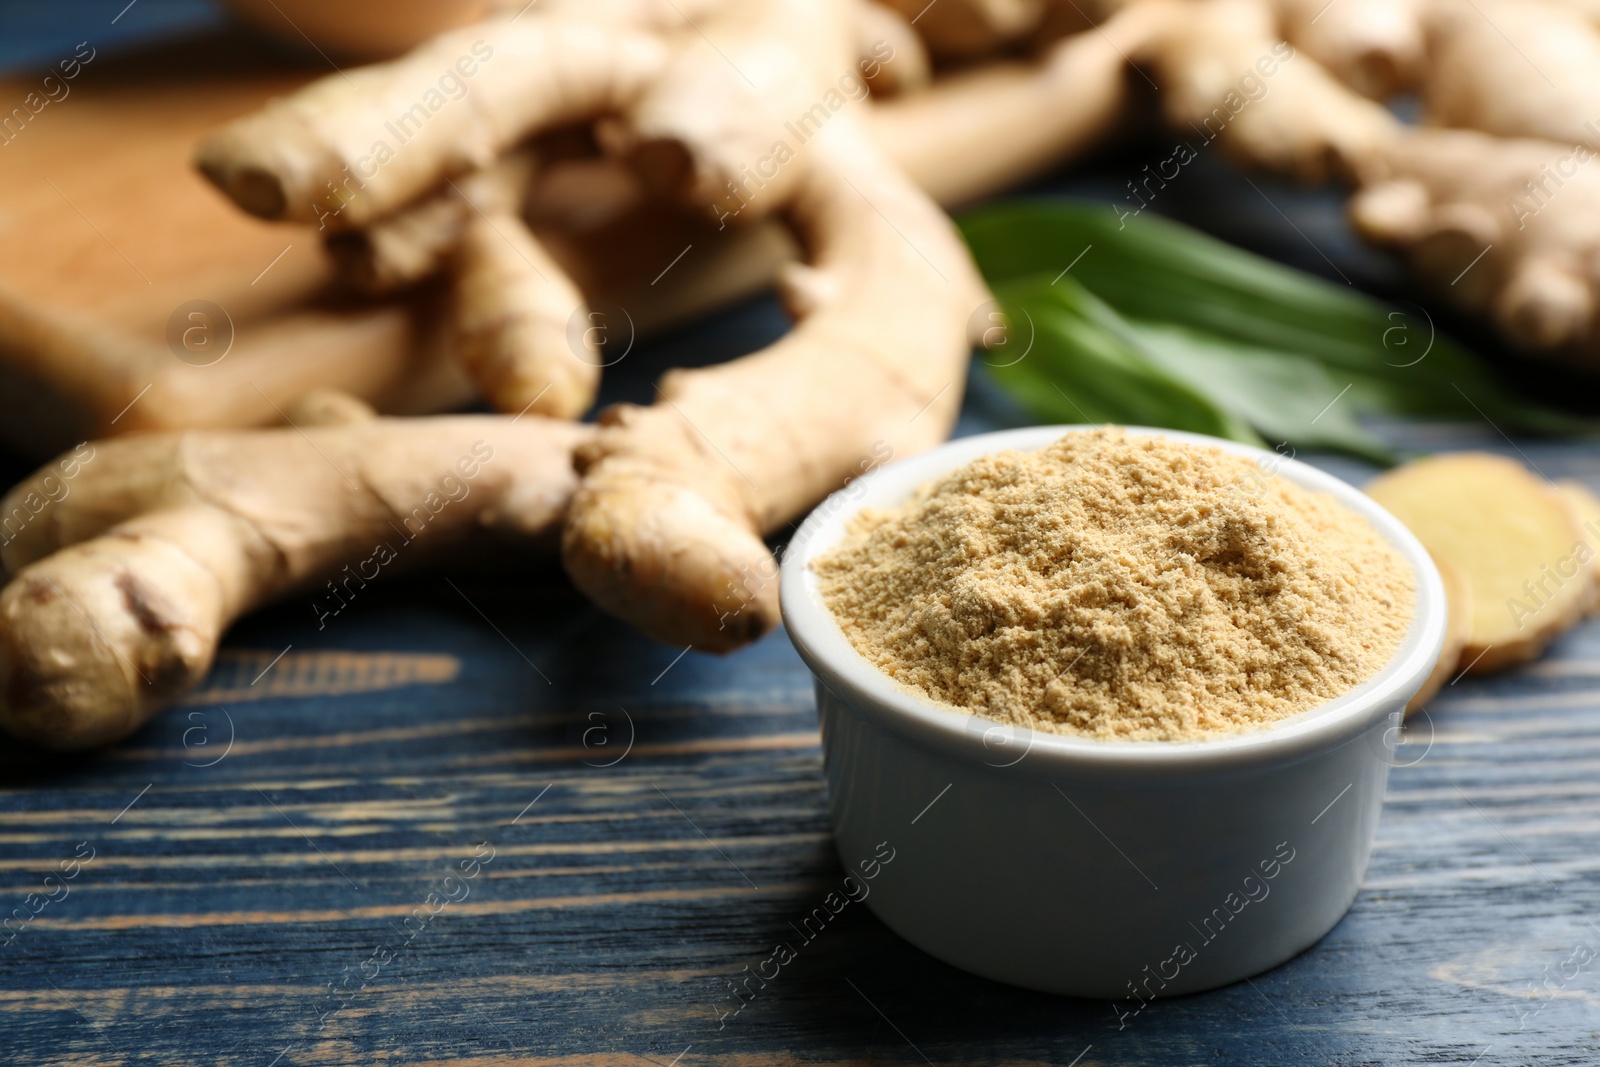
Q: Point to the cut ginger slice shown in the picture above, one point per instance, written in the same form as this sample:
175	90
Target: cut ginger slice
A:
1458	595
1515	541
1587	505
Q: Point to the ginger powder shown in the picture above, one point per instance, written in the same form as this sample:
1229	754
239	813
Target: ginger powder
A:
1120	587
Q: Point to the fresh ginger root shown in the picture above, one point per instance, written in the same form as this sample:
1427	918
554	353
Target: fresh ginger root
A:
350	148
893	58
511	305
407	246
977	131
1528	69
510	301
1513	539
1518	70
327	407
667	529
1439	197
1506	227
1225	74
121	589
664	99
1377	47
968	29
962	31
666	522
607	237
971	133
353	148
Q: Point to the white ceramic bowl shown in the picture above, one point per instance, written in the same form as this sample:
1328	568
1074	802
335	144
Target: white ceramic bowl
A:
1119	869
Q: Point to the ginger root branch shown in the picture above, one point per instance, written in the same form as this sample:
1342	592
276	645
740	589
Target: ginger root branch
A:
120	592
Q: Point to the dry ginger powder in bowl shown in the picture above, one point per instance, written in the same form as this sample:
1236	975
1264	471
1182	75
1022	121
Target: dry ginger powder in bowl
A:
1120	587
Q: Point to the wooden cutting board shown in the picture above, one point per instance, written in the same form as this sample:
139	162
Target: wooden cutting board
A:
133	296
110	235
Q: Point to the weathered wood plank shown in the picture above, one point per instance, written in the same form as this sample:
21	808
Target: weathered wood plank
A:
261	853
606	926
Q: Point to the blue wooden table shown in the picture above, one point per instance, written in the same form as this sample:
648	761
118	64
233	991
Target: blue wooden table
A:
476	822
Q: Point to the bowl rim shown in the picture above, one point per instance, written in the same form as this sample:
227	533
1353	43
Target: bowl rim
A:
838	666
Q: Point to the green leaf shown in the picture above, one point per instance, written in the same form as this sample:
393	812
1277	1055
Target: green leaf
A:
1076	370
1289	398
1153	270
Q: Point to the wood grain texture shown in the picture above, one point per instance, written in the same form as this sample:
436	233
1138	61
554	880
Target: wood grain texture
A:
241	895
114	237
257	903
116	234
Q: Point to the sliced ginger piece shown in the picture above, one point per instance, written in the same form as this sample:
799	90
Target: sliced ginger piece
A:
1587	506
1458	595
1515	540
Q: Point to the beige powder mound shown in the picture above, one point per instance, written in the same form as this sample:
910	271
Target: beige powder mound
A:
1120	587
